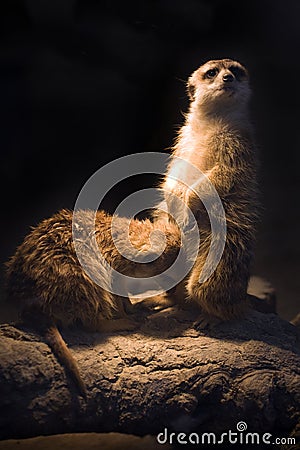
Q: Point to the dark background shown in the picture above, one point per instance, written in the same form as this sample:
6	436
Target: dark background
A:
84	82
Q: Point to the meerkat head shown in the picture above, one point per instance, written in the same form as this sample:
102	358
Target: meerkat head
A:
219	85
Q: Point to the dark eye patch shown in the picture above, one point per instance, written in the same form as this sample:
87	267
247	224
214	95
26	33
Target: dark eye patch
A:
238	72
211	73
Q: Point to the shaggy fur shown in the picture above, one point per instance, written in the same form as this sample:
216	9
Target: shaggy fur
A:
45	271
217	138
52	289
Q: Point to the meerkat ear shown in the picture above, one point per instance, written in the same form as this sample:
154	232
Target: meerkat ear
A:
191	89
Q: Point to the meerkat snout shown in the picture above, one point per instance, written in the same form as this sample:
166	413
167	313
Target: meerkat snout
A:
228	77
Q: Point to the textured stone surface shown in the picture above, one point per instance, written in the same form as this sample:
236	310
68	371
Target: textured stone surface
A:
262	295
165	374
84	441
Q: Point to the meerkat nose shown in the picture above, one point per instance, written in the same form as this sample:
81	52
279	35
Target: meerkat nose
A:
227	77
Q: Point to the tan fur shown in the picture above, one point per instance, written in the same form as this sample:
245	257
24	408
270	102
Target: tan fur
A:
45	270
49	285
46	280
217	138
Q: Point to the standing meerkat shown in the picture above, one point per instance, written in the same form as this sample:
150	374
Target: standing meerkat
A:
217	139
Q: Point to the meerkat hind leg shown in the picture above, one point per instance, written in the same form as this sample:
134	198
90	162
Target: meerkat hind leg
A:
205	321
120	321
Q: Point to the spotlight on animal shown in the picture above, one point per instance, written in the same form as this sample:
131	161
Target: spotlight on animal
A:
52	289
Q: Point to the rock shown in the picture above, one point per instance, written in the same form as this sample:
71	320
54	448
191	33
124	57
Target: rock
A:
296	321
84	441
167	374
261	295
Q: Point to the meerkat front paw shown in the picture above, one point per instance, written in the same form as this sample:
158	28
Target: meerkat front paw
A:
155	303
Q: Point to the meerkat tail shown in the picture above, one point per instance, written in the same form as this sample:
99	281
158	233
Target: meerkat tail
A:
65	357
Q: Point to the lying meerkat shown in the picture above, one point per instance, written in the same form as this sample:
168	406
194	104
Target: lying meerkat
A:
52	289
217	138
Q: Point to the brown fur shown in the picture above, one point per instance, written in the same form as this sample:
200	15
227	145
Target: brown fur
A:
217	138
47	281
51	288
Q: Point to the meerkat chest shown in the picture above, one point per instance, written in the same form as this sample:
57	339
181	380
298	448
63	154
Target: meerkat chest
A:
191	161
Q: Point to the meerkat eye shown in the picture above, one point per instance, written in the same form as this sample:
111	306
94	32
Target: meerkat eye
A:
238	72
211	73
